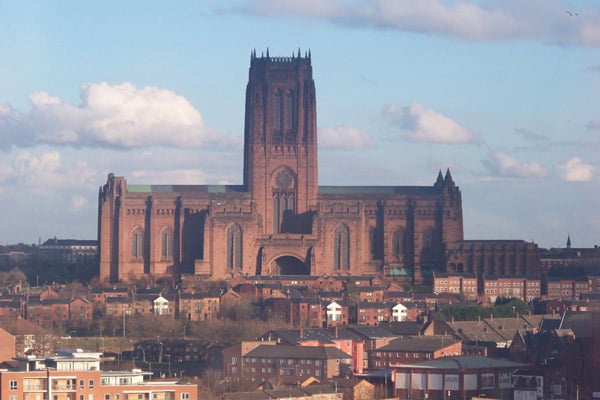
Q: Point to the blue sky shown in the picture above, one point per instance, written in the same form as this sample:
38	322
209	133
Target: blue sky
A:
504	93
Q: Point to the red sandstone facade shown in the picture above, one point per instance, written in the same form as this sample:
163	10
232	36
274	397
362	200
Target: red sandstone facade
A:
279	221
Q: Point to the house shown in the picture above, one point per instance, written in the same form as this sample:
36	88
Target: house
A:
306	312
199	306
412	349
464	284
49	312
373	313
567	288
99	295
336	313
284	364
81	310
399	312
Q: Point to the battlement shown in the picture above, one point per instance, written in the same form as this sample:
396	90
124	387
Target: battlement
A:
279	59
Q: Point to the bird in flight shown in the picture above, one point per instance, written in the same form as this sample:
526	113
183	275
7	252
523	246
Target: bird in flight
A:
571	13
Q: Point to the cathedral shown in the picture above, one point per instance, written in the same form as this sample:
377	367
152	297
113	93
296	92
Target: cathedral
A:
279	221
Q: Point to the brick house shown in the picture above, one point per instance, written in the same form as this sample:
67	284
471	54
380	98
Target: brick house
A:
81	310
522	288
199	306
567	288
290	364
373	313
456	283
118	306
99	295
413	349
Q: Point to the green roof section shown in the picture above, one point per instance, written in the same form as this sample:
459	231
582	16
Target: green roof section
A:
185	188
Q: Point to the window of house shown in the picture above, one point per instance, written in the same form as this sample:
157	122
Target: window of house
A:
91	384
13	385
185	396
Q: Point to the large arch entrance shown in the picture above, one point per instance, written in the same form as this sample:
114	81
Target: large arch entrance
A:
289	265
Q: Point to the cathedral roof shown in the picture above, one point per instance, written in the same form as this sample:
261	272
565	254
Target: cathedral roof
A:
378	190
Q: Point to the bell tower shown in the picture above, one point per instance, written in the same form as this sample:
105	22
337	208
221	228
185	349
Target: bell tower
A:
280	141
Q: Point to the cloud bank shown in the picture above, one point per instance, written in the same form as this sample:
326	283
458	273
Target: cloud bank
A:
421	124
344	138
503	165
542	20
576	170
118	116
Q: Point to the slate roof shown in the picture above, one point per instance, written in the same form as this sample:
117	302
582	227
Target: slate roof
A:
467	362
372	332
477	331
418	343
404	328
375	191
303	352
581	323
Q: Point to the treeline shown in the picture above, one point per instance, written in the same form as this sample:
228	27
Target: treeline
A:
502	308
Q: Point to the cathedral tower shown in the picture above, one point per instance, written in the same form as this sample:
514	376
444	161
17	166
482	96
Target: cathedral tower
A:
280	142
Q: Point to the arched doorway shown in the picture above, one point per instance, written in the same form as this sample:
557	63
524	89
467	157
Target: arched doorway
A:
289	265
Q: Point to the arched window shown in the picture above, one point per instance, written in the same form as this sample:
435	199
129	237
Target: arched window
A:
427	242
166	244
276	214
398	244
289	116
373	242
234	247
137	243
341	250
277	116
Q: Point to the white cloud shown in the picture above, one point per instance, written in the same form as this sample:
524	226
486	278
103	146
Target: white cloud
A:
501	164
421	124
543	20
45	174
576	170
344	138
121	116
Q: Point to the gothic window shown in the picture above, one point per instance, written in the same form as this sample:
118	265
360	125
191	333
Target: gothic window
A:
137	243
166	244
284	201
398	243
234	247
427	242
277	116
373	242
341	248
289	115
276	214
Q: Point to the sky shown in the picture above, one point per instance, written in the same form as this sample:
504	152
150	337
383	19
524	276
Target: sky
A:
503	93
